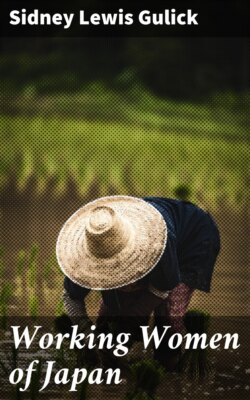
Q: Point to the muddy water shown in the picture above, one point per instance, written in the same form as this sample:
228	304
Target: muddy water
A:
229	379
26	219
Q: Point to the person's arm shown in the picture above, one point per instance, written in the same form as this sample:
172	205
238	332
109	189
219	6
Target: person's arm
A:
75	309
74	302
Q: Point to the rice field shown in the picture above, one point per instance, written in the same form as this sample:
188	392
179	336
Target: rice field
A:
122	159
223	114
126	142
60	151
228	379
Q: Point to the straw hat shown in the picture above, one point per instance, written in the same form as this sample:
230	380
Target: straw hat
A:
111	242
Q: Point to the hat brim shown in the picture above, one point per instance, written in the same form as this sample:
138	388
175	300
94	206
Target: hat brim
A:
141	254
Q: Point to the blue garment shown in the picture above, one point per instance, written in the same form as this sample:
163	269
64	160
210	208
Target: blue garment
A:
193	244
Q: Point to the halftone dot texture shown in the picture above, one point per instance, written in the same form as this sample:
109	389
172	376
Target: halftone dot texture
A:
60	150
228	368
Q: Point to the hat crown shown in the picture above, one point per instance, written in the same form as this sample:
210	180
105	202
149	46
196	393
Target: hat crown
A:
106	233
101	220
111	242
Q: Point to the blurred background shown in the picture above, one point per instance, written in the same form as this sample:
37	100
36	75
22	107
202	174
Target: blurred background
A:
83	118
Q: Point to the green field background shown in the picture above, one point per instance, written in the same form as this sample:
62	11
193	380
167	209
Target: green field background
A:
68	137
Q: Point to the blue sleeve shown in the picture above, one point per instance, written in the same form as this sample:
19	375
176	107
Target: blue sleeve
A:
76	292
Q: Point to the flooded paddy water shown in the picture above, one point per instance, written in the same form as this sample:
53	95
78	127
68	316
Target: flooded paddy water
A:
26	220
229	379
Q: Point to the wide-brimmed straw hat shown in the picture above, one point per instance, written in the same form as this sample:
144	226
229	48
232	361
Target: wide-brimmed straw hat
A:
111	242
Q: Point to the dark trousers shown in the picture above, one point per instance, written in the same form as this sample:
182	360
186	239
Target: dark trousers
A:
137	307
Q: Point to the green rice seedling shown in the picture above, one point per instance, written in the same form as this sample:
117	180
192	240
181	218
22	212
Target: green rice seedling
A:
11	360
33	306
26	168
114	156
4	368
21	262
2	265
32	266
8	366
197	321
146	376
64	357
60	357
48	271
82	392
35	381
14	356
151	111
140	395
195	363
59	309
5	296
